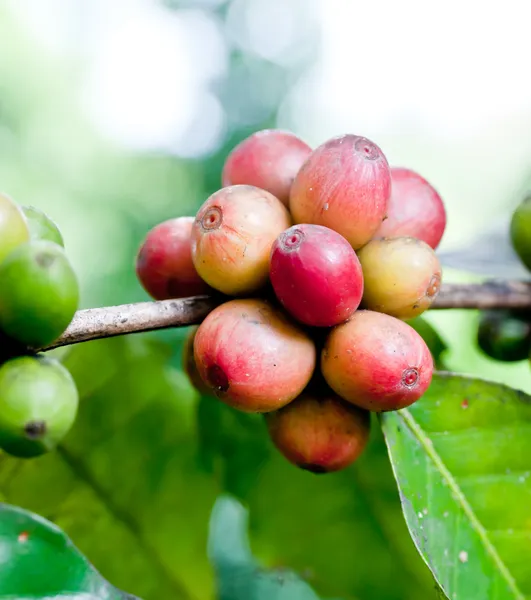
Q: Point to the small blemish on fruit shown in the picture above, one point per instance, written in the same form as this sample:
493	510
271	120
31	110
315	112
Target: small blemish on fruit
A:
35	429
217	378
463	556
465	404
410	377
326	206
23	537
44	259
434	286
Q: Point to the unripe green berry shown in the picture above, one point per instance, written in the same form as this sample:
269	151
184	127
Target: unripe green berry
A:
38	405
14	229
505	335
401	275
521	231
39	293
41	227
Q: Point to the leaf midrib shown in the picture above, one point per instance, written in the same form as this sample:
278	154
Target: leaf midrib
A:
460	498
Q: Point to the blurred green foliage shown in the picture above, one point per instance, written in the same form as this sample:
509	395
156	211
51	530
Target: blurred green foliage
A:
135	482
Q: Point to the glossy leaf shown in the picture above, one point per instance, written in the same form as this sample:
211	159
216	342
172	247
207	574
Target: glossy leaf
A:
38	561
461	458
239	576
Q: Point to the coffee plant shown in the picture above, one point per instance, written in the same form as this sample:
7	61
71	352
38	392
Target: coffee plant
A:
302	280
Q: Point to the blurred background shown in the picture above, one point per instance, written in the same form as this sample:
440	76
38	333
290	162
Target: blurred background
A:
116	115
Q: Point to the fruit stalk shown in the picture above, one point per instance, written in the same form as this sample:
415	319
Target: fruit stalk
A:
110	321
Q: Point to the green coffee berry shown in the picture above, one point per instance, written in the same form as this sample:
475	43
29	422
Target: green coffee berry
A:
38	405
505	335
401	276
14	229
521	231
39	293
41	227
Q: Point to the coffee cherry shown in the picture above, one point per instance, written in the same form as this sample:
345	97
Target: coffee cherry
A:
320	434
402	276
415	209
268	159
232	238
252	356
505	335
316	275
14	229
39	293
189	366
345	185
377	362
521	231
38	405
164	264
41	226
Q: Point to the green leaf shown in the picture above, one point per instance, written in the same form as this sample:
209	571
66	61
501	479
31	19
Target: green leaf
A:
461	458
38	561
239	576
125	485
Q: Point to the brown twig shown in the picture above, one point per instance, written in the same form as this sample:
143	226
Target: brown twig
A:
109	321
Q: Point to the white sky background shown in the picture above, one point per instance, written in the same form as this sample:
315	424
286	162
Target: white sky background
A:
442	87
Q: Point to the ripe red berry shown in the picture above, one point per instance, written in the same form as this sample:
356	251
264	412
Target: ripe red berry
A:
415	209
252	357
268	159
320	434
345	185
316	275
377	362
164	264
402	276
232	238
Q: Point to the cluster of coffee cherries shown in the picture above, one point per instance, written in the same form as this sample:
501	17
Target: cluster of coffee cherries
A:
321	256
39	295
